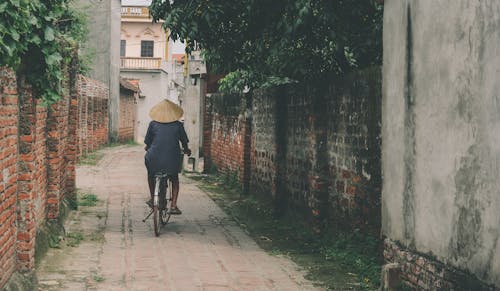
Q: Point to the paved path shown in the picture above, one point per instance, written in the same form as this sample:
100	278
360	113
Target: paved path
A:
199	250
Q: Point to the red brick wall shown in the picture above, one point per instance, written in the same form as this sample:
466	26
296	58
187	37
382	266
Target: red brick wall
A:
424	272
27	193
93	115
8	174
227	150
127	115
40	146
316	152
38	151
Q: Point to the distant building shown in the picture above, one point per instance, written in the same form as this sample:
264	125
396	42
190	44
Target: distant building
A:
146	55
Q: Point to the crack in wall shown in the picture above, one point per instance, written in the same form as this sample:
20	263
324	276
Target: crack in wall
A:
410	142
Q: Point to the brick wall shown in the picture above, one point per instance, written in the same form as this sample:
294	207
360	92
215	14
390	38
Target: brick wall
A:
315	152
38	152
228	134
93	119
8	175
263	148
127	115
353	144
423	272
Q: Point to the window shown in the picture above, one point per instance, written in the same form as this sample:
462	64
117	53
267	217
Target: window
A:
123	45
147	48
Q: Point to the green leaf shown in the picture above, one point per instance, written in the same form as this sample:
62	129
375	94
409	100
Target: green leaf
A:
35	39
14	34
2	7
49	34
53	59
16	3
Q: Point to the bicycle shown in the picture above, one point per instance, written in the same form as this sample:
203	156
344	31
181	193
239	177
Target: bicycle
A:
162	200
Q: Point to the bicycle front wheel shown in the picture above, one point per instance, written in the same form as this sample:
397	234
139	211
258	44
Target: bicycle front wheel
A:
156	219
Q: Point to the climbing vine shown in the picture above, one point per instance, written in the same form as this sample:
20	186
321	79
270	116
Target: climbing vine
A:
37	38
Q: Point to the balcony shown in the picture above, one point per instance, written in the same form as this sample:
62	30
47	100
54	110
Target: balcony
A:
141	12
140	63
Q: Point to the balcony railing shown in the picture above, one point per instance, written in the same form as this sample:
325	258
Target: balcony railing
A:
140	63
135	12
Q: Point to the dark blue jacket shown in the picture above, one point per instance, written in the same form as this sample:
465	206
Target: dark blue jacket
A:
162	146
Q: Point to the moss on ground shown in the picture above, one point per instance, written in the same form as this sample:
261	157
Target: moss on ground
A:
337	260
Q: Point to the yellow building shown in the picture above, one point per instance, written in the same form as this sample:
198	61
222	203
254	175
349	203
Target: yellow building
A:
143	44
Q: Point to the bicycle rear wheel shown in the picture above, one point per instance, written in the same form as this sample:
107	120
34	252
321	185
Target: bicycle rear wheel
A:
156	219
164	215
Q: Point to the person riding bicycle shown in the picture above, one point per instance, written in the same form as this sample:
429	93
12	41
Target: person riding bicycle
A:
163	152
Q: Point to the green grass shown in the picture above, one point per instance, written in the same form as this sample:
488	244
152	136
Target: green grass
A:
98	278
339	260
86	199
91	159
121	143
73	239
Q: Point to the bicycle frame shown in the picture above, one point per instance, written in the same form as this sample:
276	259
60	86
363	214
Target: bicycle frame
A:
159	212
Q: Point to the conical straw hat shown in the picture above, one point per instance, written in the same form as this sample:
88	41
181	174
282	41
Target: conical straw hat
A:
166	111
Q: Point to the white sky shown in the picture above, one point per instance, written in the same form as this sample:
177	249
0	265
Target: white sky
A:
136	2
178	47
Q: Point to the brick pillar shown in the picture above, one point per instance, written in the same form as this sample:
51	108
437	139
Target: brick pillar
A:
9	112
57	130
72	142
318	179
90	125
207	133
247	139
82	124
26	220
281	199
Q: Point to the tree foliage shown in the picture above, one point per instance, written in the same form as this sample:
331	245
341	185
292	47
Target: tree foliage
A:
37	37
266	42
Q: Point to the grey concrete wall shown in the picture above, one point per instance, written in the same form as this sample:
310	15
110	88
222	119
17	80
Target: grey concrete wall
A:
441	131
193	119
103	46
114	70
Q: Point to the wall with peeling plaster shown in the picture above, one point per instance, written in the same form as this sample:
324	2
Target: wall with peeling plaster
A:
441	131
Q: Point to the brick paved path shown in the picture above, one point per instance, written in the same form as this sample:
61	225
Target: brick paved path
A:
199	250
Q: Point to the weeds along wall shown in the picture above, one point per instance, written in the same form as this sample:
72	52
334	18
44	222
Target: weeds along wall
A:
39	147
314	152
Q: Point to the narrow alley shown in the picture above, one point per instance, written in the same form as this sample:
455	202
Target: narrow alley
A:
199	250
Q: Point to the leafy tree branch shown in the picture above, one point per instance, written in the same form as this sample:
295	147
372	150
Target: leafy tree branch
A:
270	42
37	38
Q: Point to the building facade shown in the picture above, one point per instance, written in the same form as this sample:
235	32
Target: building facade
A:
147	55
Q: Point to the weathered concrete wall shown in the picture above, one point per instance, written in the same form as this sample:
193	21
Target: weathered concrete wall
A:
153	84
441	130
193	118
103	46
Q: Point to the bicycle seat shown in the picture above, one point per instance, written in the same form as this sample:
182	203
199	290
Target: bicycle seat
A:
161	174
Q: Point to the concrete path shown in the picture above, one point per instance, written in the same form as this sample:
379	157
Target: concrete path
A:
199	250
